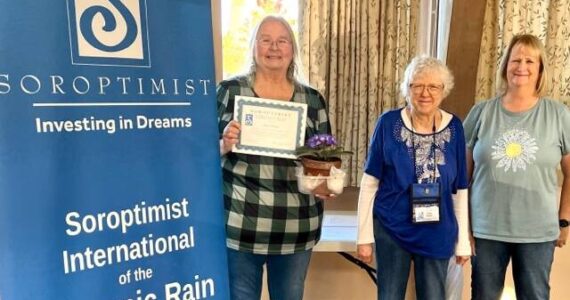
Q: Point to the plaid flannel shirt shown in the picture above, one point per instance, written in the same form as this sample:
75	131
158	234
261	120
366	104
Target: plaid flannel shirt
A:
265	212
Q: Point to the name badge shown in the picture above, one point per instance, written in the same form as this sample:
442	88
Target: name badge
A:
424	213
425	199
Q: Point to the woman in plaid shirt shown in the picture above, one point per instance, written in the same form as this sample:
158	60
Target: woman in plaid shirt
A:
268	221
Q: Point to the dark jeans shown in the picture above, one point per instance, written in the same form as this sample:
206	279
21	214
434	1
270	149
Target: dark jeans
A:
531	269
393	267
285	275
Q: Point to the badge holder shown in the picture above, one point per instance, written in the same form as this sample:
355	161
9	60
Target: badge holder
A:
425	198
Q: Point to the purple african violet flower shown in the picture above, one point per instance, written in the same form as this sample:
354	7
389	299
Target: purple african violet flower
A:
322	147
321	140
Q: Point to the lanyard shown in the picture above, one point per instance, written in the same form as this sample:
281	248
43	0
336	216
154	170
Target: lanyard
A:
433	145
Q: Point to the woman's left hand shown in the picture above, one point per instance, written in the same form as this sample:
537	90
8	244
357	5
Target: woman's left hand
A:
461	260
326	197
562	237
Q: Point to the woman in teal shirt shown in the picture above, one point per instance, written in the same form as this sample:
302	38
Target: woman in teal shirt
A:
515	143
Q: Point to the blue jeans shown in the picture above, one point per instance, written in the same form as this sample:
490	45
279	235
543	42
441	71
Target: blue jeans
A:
531	269
393	270
285	275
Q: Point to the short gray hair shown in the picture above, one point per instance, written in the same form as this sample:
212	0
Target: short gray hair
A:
422	64
294	71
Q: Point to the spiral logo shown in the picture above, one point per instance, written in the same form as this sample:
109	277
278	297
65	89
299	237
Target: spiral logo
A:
108	32
109	26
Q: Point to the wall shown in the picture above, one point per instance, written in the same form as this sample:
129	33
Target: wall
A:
463	54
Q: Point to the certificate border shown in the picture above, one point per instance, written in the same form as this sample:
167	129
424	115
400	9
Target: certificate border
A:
300	108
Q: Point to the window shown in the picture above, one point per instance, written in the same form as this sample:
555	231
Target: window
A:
239	17
433	33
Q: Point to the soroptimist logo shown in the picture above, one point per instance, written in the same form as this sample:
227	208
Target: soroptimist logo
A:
108	32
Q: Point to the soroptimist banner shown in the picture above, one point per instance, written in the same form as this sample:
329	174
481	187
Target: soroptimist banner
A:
109	162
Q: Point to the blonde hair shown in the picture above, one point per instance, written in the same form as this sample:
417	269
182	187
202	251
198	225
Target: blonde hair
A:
532	42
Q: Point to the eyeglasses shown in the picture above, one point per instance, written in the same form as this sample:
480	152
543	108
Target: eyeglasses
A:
432	89
280	43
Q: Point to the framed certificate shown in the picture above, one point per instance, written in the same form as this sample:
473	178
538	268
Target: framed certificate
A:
270	127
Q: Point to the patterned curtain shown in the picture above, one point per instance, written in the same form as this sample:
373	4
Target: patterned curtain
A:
354	53
547	19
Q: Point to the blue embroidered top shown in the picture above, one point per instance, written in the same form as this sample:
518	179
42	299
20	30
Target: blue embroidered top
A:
390	160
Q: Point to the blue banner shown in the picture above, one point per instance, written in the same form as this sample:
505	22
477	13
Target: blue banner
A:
109	160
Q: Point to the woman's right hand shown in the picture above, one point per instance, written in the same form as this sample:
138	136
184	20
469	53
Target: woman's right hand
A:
364	252
230	137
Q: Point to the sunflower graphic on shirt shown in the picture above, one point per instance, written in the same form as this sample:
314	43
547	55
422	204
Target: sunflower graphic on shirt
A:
514	150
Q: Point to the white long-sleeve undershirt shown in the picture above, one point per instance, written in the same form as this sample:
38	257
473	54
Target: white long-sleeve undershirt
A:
369	186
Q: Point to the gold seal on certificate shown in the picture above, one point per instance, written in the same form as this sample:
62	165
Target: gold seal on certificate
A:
270	127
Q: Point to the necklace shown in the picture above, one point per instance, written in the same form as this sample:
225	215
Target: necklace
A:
411	116
433	146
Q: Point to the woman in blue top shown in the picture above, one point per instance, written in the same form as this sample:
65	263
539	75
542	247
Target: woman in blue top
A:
424	147
516	141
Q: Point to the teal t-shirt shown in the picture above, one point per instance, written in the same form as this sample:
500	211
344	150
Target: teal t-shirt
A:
514	192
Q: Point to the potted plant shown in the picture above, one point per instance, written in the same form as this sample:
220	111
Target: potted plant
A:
320	154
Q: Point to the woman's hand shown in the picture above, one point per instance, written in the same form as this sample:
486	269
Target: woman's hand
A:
564	212
562	238
326	197
364	252
461	260
230	137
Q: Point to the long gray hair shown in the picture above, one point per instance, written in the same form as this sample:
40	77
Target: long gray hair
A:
294	72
